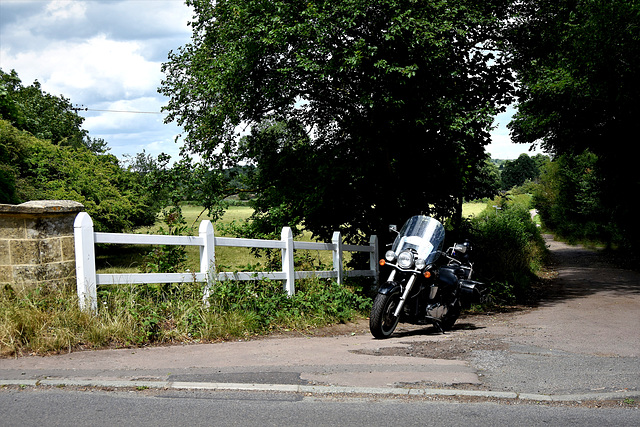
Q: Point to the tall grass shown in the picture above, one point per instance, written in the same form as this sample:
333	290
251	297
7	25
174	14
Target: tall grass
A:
45	320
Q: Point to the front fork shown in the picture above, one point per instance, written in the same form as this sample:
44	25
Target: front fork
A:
405	294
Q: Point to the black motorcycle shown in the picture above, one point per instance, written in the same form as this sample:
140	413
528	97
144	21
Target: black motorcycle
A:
426	286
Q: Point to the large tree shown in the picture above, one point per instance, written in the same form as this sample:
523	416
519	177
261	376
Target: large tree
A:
43	115
578	65
517	171
355	113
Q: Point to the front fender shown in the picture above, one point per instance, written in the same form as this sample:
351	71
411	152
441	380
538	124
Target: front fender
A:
390	288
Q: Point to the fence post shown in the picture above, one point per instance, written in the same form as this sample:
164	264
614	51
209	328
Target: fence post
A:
85	261
337	255
207	256
374	257
287	261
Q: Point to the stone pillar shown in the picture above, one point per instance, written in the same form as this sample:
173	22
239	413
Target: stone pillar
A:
36	243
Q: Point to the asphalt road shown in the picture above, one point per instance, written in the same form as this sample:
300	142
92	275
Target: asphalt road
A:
194	408
584	337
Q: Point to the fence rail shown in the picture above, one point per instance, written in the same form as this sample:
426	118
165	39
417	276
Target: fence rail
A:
88	280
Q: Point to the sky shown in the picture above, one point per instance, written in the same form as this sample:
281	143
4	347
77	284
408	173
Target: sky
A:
106	56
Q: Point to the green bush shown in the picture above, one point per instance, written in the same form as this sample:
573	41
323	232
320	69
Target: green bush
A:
36	169
509	249
173	258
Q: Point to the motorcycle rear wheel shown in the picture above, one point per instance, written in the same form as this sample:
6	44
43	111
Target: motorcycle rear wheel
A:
382	322
451	317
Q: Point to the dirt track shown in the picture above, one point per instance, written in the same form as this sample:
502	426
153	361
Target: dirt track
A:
584	332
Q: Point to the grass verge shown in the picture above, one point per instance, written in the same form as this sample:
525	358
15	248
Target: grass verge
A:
48	320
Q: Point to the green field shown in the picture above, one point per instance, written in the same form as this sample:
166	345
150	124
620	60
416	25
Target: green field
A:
129	258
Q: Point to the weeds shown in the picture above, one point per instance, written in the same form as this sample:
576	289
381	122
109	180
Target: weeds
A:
45	320
48	319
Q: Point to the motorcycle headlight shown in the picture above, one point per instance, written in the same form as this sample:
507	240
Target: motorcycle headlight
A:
405	259
421	264
390	256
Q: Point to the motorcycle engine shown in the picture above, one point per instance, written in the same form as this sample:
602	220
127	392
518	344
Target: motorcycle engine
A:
436	310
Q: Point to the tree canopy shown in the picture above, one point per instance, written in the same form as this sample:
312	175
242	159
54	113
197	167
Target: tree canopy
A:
524	168
355	113
578	69
35	169
578	66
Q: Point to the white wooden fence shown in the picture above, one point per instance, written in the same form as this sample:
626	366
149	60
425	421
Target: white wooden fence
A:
88	280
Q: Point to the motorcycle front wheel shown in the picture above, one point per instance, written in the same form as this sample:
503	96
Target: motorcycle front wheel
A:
382	322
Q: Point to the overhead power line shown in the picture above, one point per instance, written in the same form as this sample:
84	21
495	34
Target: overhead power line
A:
125	111
83	108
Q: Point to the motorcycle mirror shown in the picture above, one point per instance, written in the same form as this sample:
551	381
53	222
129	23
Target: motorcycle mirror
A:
459	247
393	228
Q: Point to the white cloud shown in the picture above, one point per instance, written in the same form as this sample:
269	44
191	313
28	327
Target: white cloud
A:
94	70
65	9
104	55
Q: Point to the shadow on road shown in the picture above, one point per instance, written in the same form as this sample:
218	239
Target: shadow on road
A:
432	330
581	272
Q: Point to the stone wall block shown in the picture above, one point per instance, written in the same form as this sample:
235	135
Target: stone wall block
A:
40	228
68	249
37	243
6	274
50	250
24	252
28	275
5	255
12	228
58	270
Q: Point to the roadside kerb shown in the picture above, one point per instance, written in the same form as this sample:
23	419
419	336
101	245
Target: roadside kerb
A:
319	389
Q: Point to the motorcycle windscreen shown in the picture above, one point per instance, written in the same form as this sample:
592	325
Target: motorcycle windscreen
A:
423	234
